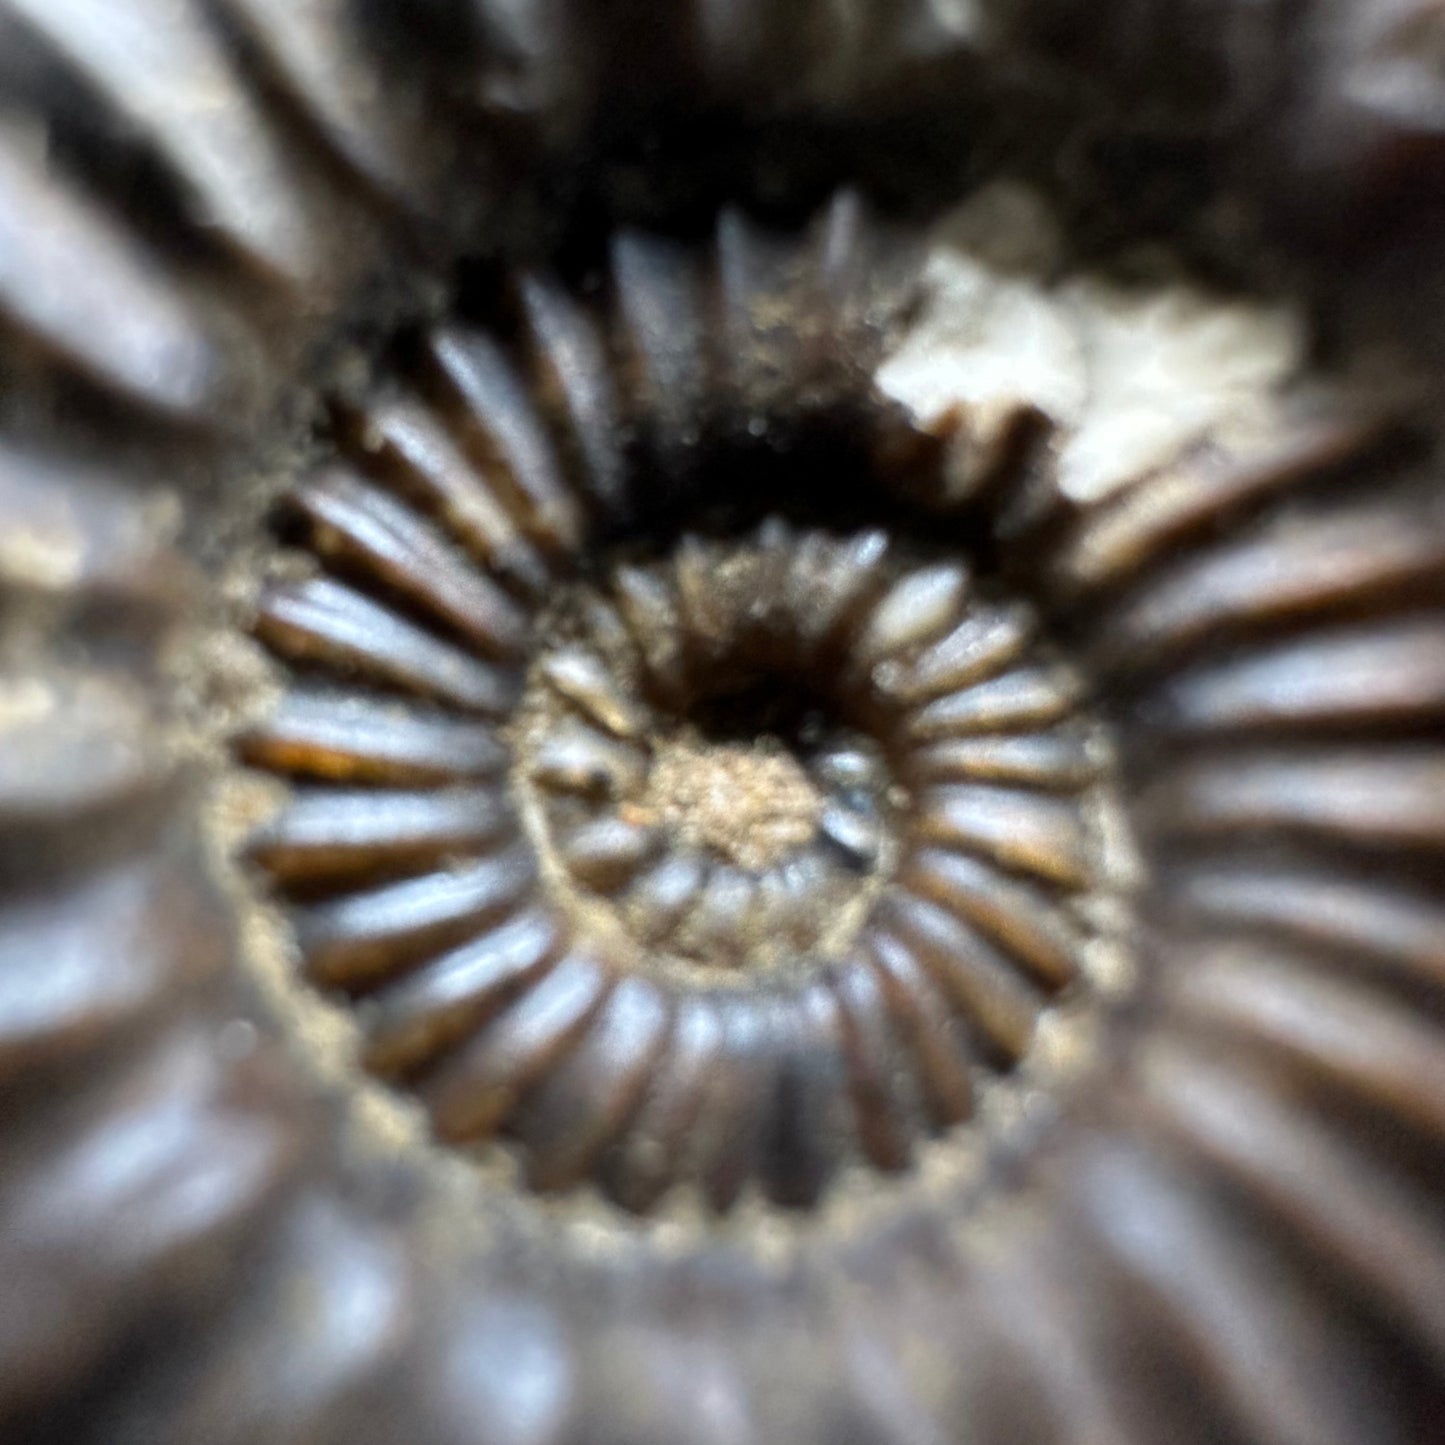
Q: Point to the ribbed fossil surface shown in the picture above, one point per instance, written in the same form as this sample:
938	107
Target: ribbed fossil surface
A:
721	726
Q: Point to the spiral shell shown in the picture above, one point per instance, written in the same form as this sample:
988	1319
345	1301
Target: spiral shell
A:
638	804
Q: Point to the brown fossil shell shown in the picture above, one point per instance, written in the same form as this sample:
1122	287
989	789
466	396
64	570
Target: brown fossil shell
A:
722	724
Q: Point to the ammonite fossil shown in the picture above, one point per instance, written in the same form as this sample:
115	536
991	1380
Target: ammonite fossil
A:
721	724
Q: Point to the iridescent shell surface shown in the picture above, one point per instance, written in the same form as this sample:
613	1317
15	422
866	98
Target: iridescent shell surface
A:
722	723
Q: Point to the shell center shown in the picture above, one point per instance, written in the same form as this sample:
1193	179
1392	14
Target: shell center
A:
753	805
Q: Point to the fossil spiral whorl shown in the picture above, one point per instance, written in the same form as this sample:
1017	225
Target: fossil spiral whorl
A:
567	912
657	812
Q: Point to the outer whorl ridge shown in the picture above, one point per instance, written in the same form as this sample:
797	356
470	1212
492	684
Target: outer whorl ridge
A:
853	809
